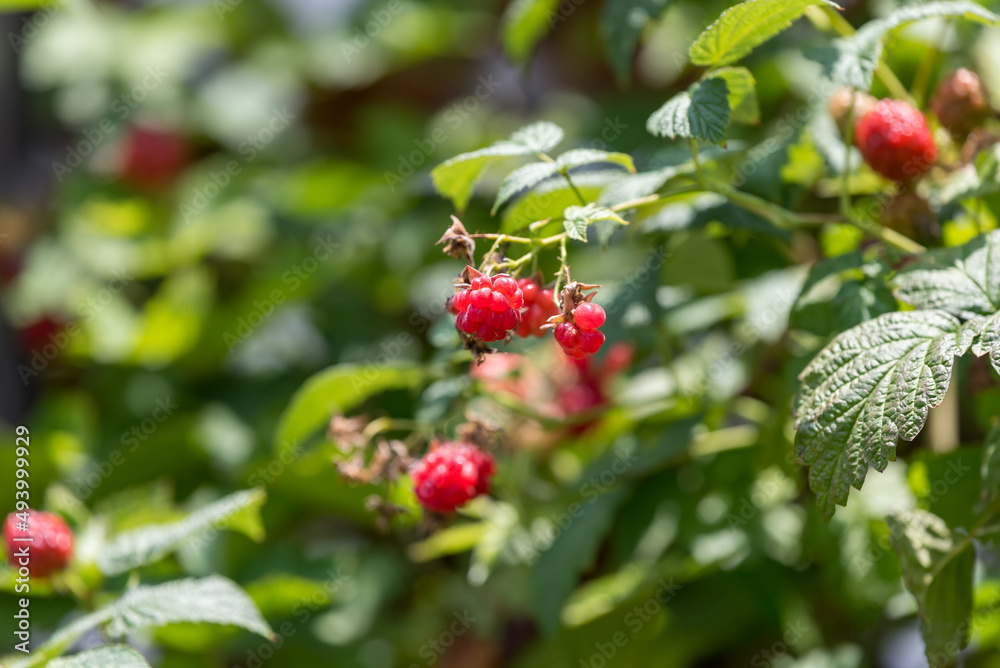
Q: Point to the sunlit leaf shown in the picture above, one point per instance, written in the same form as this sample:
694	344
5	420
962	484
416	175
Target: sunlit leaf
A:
745	26
239	511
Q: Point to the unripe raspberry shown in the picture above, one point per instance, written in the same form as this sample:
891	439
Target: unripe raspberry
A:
450	475
51	546
539	306
960	102
895	141
910	214
490	308
840	104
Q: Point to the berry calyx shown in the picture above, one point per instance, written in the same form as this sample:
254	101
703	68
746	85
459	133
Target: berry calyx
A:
539	306
490	308
450	475
51	546
895	140
960	102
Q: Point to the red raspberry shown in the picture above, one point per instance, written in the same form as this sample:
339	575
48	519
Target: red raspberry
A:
578	336
895	140
152	158
490	308
540	305
450	475
51	547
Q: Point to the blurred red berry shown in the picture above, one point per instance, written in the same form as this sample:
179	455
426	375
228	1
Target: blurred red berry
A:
153	158
490	308
51	546
46	331
539	306
450	475
895	140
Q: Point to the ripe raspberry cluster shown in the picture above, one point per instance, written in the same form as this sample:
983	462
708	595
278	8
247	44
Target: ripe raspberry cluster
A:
540	305
895	140
490	308
579	335
452	474
51	546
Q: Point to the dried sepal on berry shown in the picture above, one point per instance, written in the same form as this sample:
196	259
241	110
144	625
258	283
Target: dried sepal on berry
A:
390	459
348	433
457	242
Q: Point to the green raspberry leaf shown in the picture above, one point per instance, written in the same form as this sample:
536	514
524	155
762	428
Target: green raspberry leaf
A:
937	568
853	60
745	26
108	656
456	178
964	281
579	218
742	96
529	176
126	551
872	385
700	112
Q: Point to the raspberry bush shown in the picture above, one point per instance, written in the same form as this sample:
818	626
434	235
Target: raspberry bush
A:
530	333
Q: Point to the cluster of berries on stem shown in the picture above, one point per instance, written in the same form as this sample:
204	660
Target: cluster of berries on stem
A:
487	308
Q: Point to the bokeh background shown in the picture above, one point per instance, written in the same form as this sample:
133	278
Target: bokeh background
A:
206	202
